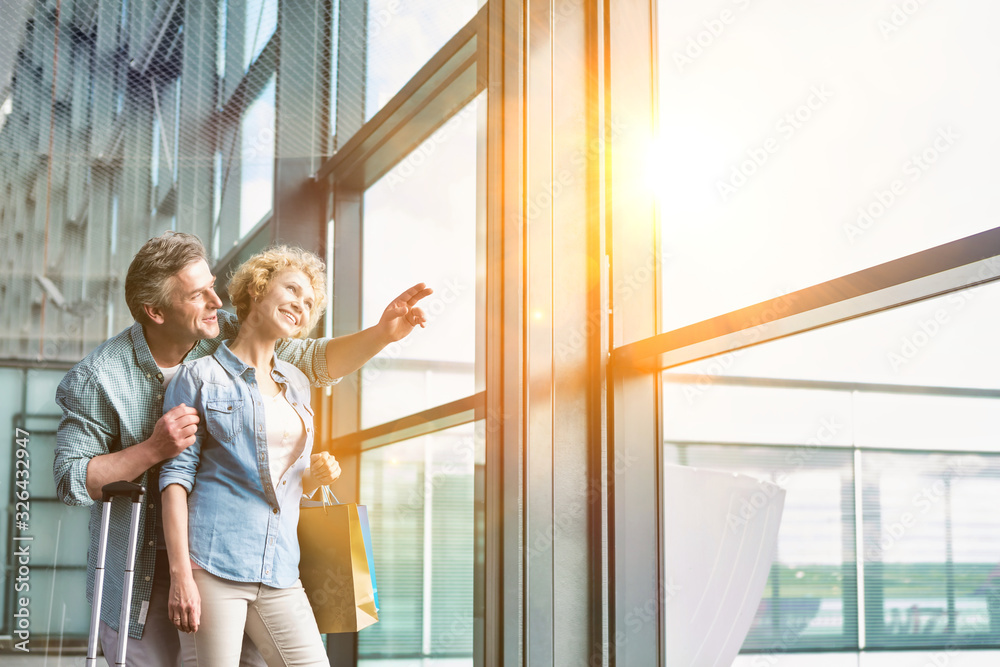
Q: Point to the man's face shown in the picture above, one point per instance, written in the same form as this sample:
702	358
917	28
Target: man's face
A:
191	314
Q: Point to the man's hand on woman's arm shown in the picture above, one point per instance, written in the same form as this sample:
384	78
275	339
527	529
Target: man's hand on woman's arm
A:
173	433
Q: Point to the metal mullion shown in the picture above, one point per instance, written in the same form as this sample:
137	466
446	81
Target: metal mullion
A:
392	123
503	636
865	449
300	135
160	25
539	388
457	91
197	136
253	81
253	241
344	402
832	385
351	62
960	264
635	474
440	417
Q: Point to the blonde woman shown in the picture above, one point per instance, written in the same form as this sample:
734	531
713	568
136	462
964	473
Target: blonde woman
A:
231	500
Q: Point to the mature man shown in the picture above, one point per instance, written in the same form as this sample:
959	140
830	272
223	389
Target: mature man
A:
113	427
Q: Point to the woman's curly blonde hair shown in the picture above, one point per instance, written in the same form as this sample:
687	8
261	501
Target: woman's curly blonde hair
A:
253	278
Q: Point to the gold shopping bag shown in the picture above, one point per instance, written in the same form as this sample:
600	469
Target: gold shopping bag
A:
335	566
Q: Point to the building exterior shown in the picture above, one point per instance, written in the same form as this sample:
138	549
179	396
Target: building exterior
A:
751	238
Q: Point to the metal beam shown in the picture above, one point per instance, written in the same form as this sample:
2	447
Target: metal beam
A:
952	266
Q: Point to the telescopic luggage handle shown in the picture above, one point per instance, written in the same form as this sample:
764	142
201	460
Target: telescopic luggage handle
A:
135	493
118	489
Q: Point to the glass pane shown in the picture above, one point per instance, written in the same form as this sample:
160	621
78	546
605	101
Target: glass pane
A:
425	208
804	141
810	600
42	392
916	377
65	530
936	342
420	496
261	21
931	549
334	23
42	450
59	607
402	36
257	159
222	9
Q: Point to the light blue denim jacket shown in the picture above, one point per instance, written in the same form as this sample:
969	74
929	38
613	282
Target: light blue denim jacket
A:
238	528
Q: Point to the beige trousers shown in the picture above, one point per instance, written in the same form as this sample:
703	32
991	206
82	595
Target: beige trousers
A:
278	620
159	646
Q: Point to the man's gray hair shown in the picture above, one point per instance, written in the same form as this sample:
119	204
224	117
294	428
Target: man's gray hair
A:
148	280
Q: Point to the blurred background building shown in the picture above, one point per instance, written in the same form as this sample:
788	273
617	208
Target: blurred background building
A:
742	237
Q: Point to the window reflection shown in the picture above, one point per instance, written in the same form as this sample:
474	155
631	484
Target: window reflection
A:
261	20
774	173
420	496
884	423
811	596
420	225
931	548
402	36
257	159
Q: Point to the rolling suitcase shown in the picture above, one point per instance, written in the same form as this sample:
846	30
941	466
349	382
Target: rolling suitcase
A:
110	492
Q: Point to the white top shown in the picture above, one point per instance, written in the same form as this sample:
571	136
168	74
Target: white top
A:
168	374
286	435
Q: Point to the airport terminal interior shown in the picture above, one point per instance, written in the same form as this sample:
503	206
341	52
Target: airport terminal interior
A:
730	236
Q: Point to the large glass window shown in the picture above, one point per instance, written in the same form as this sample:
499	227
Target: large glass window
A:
800	142
424	208
402	36
257	159
58	582
261	20
811	596
882	430
421	497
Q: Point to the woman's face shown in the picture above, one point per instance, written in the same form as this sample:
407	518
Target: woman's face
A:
287	304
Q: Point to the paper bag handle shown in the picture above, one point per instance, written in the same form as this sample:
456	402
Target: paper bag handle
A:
328	497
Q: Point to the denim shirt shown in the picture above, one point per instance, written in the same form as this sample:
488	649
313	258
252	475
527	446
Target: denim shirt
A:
238	528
